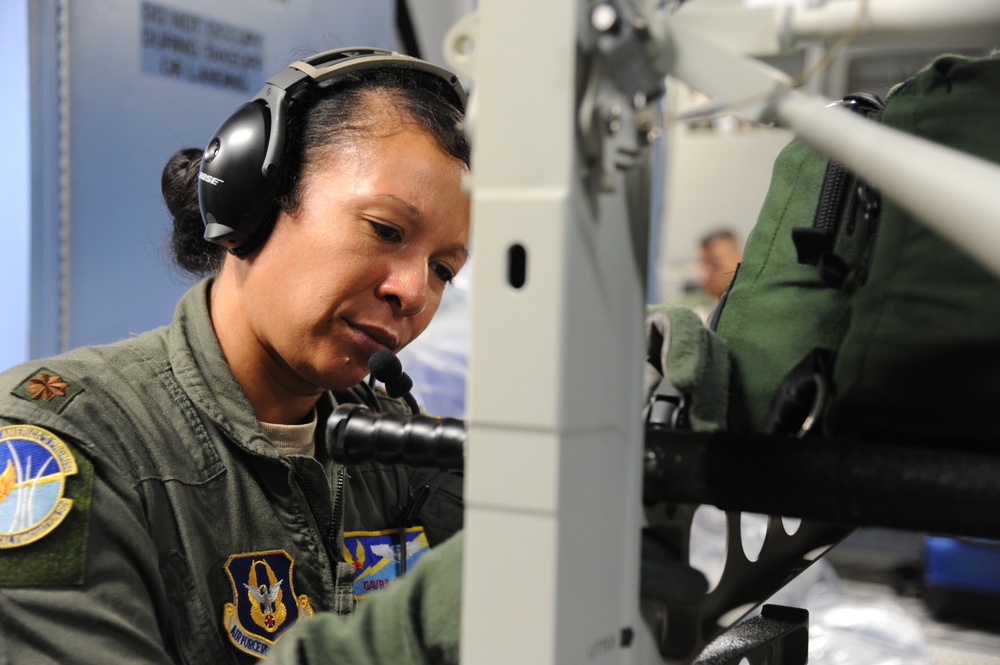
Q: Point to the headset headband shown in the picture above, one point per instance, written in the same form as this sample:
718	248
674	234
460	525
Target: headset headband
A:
324	66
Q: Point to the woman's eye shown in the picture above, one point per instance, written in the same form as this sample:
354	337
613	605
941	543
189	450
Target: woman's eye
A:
442	272
386	232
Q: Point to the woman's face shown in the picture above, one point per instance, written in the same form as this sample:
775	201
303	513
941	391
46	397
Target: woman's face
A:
362	264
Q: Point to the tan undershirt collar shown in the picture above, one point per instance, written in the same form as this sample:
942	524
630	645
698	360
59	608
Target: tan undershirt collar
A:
293	439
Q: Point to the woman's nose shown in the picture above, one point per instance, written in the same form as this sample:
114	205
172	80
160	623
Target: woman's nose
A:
406	288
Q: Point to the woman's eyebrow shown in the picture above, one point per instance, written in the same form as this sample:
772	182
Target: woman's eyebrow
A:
459	249
410	208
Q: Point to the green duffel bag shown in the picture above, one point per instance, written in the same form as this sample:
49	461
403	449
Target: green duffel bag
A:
787	307
848	316
920	360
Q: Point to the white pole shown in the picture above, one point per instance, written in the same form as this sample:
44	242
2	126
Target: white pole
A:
911	21
952	192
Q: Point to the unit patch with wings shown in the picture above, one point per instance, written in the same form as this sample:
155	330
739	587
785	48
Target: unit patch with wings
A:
264	602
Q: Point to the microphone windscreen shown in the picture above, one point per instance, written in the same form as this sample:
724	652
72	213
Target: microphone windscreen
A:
384	365
399	386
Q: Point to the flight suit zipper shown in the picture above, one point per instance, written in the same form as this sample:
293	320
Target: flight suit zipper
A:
338	497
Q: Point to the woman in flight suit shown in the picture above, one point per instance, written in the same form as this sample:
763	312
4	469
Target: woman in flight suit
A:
170	498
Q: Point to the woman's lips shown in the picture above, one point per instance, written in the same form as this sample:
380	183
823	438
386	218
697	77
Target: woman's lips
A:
372	338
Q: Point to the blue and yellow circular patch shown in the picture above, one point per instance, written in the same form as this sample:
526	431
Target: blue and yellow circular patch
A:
34	464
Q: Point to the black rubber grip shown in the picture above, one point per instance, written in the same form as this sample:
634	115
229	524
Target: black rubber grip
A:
355	434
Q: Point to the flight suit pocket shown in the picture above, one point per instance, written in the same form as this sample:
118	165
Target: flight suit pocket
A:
193	634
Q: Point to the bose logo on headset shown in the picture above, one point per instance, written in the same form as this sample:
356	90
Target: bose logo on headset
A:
241	167
210	179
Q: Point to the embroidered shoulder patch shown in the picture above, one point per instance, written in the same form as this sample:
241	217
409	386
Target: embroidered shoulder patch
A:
45	492
35	464
49	390
264	602
376	557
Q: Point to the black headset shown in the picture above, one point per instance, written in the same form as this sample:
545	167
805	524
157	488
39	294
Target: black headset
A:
241	167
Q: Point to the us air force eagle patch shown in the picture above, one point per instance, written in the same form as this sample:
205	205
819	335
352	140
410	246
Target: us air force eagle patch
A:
265	603
34	464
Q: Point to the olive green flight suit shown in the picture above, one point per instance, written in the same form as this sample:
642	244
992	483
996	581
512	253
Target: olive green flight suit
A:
177	494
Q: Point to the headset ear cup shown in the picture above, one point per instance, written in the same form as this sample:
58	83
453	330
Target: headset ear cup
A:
234	195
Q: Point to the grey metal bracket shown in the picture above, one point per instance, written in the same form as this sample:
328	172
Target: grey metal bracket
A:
777	636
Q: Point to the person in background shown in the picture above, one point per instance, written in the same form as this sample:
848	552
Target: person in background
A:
170	498
719	254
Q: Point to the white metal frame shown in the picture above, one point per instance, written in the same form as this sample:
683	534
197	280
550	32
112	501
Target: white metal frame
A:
554	395
553	483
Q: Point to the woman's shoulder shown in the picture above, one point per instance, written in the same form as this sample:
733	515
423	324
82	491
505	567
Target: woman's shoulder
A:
53	383
115	402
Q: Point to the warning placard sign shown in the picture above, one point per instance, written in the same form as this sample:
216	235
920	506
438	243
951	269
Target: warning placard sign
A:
187	47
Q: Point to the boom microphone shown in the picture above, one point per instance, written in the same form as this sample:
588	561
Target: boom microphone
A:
385	367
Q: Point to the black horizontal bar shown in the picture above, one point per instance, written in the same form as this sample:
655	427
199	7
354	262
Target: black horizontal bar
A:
946	490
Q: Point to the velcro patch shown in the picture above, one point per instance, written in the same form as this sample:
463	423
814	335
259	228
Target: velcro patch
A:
45	493
48	390
375	555
264	602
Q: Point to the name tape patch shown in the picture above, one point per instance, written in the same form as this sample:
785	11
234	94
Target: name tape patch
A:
376	556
